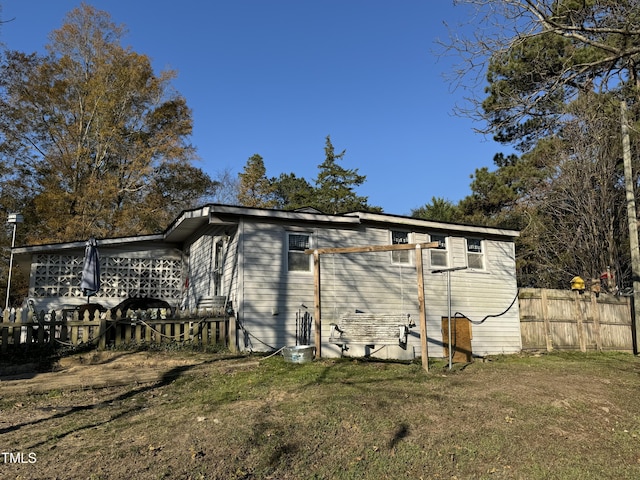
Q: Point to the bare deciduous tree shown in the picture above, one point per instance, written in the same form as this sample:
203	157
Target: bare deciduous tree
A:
555	72
583	204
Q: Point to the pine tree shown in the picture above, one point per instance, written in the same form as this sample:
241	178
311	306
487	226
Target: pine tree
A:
255	189
293	192
335	185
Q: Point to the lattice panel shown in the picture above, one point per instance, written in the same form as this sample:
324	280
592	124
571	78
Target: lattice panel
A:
60	275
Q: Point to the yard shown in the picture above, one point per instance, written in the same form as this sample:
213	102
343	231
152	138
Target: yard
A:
189	415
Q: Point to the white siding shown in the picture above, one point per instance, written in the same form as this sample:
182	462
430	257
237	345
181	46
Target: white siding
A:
230	274
477	294
198	270
267	297
201	263
270	296
369	282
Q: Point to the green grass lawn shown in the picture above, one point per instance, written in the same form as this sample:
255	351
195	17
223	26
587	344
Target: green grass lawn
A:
556	416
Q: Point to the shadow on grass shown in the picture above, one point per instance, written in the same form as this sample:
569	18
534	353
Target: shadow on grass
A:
324	374
401	432
167	378
41	358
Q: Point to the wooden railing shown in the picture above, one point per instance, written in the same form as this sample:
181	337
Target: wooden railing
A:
27	329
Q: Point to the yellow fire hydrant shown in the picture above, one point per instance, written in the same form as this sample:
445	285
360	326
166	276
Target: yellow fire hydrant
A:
577	284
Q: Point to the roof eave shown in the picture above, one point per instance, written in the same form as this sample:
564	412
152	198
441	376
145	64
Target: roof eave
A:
283	214
53	247
430	224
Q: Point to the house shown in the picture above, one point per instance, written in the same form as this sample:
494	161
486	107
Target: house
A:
256	262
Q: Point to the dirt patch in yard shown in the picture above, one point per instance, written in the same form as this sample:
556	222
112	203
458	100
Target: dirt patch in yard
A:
97	370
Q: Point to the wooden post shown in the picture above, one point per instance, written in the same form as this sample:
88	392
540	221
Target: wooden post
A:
233	335
595	307
632	219
74	334
6	318
167	332
579	322
423	310
17	333
118	327
147	333
29	333
138	333
102	333
5	337
41	329
316	298
128	337
205	331
223	332
545	319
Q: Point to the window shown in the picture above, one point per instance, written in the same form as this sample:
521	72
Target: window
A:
297	260
475	255
439	255
400	256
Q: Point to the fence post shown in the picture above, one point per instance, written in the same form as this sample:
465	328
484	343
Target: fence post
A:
138	334
579	322
41	333
148	332
102	333
17	332
596	321
5	331
545	319
233	335
64	329
128	337
223	332
205	328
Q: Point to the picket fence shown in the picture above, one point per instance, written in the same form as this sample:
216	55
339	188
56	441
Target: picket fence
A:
25	329
567	320
549	320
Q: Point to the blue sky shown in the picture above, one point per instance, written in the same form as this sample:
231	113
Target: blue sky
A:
275	77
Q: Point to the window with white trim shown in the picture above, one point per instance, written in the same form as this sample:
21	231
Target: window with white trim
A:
297	260
439	255
400	257
475	253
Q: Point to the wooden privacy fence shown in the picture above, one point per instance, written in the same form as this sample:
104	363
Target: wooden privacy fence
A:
25	329
567	320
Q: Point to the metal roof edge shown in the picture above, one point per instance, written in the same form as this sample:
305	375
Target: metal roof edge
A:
185	215
417	222
282	214
209	213
81	244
